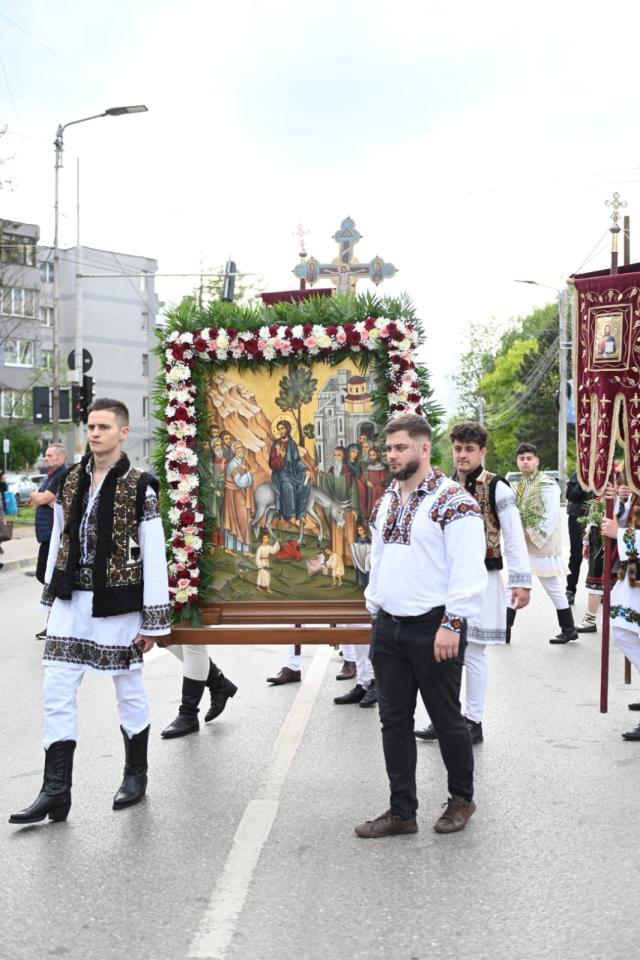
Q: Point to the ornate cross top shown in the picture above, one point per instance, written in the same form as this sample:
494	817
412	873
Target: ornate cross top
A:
345	270
616	204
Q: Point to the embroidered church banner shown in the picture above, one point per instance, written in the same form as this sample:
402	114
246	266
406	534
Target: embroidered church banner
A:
606	371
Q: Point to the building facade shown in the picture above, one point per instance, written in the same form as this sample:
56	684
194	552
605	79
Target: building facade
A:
107	297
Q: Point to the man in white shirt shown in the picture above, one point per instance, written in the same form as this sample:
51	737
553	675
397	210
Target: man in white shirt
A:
505	541
538	499
427	577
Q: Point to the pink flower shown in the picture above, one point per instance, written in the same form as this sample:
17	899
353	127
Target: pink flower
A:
184	582
261	344
213	344
310	342
341	336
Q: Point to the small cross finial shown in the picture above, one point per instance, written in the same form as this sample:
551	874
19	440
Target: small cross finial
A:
300	232
616	205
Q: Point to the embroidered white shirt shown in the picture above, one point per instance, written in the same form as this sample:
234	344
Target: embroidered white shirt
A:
428	552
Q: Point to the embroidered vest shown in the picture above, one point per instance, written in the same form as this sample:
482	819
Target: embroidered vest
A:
117	573
485	494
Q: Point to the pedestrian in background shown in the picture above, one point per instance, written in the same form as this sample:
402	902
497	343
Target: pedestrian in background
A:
577	506
43	500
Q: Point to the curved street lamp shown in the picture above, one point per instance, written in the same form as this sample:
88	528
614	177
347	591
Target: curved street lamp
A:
59	146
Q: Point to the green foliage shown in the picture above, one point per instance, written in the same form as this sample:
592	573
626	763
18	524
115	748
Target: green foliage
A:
25	446
296	390
517	376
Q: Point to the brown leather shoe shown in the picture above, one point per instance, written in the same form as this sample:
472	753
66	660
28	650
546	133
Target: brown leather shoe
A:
386	825
286	675
455	816
348	671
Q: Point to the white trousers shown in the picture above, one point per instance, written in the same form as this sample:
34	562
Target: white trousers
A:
194	657
60	701
556	591
476	675
364	667
628	641
294	660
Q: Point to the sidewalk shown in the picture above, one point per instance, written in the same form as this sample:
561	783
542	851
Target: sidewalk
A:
22	550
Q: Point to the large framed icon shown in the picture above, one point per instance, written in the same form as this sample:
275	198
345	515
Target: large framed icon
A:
271	457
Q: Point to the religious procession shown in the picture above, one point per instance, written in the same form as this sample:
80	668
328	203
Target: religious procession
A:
318	567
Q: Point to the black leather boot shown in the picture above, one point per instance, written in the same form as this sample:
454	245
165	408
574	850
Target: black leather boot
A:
187	719
511	619
54	799
220	689
567	627
134	783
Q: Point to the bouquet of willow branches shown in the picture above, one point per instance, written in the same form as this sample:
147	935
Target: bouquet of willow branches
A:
531	513
596	514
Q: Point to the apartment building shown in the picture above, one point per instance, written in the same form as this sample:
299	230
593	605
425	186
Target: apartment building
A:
114	302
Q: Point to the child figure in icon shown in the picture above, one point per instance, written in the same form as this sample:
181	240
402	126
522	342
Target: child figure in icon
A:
263	557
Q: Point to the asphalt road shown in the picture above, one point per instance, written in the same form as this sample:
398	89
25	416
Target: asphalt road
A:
244	846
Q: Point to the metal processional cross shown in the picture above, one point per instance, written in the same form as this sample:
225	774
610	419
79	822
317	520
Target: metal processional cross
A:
345	270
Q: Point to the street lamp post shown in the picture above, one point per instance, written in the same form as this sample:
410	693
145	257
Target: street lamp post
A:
59	146
564	344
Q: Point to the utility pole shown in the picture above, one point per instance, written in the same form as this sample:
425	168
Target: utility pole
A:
481	405
563	309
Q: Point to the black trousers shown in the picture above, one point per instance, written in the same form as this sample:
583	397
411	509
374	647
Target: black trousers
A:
41	564
403	662
576	533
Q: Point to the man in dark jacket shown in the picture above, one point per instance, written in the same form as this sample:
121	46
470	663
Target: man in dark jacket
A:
43	500
577	506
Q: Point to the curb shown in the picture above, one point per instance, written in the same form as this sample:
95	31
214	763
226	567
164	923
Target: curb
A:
19	564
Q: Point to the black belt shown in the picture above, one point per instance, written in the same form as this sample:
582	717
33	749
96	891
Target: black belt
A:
83	579
431	615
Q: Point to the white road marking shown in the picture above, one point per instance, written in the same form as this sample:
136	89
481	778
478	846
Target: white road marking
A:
218	924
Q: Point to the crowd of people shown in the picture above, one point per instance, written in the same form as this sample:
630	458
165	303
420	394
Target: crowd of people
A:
435	593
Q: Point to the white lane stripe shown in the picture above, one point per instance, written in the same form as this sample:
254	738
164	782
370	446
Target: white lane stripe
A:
218	924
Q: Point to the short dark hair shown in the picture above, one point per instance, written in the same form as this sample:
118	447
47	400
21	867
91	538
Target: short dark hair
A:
415	425
526	448
286	425
116	407
469	431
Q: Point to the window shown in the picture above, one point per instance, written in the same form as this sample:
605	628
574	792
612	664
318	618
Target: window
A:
146	448
14	403
19	302
18	353
17	252
145	407
46	271
145	364
46	316
46	359
318	428
145	320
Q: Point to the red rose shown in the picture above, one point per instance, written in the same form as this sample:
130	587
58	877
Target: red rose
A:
177	542
187	517
181	413
348	327
273	329
413	397
177	605
331	330
232	332
173	580
369	323
200	345
251	346
177	351
307	328
296	343
353	337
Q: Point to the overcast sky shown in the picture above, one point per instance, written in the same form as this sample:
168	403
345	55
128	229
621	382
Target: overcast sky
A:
472	143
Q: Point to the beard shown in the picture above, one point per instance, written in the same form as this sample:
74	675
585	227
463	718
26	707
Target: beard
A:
407	471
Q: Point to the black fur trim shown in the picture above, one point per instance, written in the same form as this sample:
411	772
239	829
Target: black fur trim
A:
493	563
146	480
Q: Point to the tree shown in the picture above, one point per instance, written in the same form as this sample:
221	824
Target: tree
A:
210	288
295	390
475	362
25	447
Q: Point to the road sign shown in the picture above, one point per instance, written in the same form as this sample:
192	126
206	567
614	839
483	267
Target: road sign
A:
6	445
87	360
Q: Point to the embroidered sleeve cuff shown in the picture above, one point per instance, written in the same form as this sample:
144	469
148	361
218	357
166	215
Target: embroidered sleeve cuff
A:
156	619
520	580
451	622
47	597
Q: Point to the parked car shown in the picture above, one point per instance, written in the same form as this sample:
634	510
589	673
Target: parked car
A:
21	485
38	478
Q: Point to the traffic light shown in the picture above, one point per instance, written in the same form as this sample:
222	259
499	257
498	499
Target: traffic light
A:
87	396
76	403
